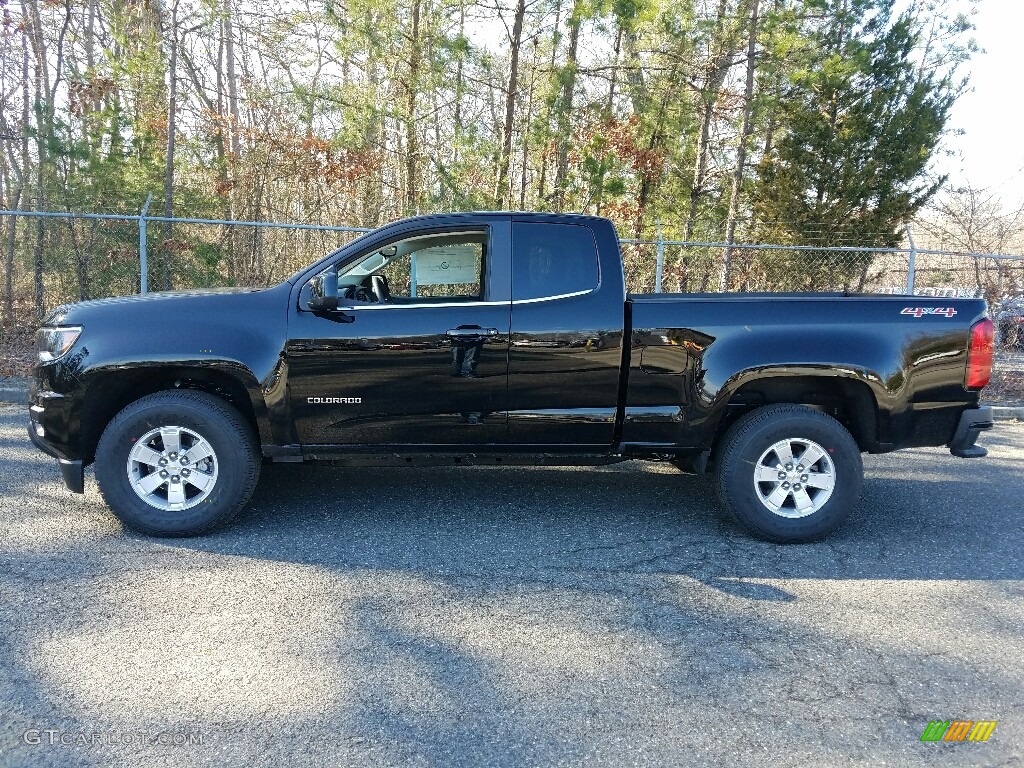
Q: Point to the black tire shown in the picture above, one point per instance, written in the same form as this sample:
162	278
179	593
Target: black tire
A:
752	437
235	455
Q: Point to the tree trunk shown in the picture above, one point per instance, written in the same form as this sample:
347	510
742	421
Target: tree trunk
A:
10	197
23	176
718	64
648	179
526	131
776	88
232	83
42	92
634	73
37	250
741	152
610	104
12	241
833	111
81	260
459	87
547	121
565	107
172	125
234	141
412	192
502	191
700	168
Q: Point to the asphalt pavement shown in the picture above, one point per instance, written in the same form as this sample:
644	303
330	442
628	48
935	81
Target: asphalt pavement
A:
513	617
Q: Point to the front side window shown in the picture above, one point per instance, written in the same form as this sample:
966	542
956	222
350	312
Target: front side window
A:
449	266
553	260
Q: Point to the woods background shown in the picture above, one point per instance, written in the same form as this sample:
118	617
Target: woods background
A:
810	122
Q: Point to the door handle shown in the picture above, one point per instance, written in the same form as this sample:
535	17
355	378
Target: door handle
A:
470	333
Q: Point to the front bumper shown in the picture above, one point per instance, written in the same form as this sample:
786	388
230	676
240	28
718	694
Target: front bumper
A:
73	472
972	422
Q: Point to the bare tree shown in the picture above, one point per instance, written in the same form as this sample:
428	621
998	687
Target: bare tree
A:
741	150
172	129
502	193
565	106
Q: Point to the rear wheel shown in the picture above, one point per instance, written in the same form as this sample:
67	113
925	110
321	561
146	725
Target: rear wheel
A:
788	473
177	463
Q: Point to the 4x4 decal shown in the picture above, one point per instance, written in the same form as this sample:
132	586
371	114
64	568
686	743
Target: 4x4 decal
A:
922	311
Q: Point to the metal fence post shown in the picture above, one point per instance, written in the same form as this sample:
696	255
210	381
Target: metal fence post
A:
911	261
661	260
143	259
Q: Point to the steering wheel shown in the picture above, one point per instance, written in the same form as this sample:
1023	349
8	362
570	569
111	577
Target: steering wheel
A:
379	286
357	293
377	292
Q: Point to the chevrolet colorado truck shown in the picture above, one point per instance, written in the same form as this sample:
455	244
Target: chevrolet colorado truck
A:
500	338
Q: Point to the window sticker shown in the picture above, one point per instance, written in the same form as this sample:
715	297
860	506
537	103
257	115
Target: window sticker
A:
447	265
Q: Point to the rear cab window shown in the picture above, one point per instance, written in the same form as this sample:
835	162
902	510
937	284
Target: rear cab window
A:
553	261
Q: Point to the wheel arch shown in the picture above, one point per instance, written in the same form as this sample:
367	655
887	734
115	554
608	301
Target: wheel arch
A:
111	390
849	400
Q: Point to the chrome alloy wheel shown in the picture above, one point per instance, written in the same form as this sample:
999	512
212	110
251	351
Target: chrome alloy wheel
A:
794	478
172	468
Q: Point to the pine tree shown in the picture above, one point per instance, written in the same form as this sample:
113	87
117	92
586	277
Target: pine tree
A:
860	122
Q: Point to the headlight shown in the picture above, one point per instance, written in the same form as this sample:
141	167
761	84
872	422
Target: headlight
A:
53	343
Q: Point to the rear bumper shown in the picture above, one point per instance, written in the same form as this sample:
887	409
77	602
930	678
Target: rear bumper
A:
972	423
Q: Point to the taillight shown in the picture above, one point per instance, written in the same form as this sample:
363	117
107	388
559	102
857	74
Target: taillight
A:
979	355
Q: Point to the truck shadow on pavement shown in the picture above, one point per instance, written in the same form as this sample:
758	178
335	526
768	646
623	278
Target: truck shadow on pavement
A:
522	616
550	614
631	518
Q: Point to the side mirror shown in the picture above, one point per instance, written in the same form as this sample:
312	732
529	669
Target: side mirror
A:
324	291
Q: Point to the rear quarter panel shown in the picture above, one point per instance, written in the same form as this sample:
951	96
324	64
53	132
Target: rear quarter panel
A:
705	348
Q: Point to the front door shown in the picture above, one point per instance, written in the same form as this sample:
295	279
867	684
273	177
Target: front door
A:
417	353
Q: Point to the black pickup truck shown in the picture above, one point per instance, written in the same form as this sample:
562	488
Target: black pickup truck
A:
500	338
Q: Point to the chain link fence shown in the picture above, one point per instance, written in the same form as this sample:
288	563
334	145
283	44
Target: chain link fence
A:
77	257
62	257
698	267
86	256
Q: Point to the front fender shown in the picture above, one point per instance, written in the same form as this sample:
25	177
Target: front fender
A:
130	347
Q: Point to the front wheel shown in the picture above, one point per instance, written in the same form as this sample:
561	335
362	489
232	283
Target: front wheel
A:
788	473
177	463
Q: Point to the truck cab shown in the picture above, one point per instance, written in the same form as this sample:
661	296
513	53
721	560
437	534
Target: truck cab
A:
462	331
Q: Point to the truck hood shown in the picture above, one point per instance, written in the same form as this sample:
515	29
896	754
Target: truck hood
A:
155	305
